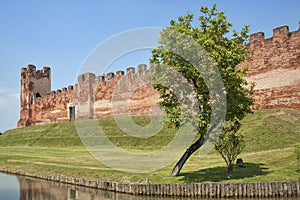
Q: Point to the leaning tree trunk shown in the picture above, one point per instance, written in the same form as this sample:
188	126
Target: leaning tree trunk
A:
186	155
176	170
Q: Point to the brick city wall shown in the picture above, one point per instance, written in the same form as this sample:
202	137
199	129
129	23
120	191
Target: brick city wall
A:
90	97
274	66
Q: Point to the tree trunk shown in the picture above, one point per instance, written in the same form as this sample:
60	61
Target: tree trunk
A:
186	155
230	168
176	170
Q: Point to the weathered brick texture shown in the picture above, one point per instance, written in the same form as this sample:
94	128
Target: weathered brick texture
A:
274	66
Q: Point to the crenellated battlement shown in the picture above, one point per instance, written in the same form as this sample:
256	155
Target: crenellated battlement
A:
130	74
59	93
30	71
279	51
281	32
274	66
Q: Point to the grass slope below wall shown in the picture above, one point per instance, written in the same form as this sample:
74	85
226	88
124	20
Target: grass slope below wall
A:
56	149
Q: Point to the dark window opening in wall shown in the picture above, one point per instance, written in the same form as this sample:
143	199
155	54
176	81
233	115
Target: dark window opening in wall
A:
37	95
72	113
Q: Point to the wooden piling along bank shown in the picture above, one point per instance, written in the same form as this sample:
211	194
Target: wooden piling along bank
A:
205	190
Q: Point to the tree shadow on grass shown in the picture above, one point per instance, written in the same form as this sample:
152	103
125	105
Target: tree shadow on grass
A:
219	174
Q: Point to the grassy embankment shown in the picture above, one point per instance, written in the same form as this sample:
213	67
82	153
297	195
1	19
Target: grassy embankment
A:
56	149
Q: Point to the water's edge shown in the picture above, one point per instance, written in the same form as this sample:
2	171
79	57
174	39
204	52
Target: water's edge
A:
204	190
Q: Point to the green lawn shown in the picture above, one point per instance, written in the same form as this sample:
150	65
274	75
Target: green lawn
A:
55	149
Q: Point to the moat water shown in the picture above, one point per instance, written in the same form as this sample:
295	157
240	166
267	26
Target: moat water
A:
24	188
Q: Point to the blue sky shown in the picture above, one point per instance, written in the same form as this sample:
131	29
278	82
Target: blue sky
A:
62	33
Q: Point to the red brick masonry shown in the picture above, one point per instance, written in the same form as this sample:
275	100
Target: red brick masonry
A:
274	67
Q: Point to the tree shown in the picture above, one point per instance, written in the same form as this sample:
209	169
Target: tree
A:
230	144
226	49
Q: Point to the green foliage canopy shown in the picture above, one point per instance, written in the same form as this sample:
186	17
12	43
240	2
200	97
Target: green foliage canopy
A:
230	144
226	49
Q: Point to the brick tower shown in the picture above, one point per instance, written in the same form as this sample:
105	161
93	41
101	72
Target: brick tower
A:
34	84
